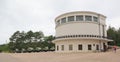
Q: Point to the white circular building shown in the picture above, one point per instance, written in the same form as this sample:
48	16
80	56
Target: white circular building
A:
80	31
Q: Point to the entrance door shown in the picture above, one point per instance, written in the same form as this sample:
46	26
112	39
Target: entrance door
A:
104	47
97	47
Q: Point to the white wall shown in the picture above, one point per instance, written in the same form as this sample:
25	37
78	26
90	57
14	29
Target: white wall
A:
78	28
81	27
75	44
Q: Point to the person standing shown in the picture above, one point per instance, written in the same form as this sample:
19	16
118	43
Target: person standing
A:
115	48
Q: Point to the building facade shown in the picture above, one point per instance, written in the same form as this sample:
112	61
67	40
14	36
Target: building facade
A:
80	31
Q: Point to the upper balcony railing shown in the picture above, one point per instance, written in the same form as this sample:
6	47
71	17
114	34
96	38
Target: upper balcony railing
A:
81	36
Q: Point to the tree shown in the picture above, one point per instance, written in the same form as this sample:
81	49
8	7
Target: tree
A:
38	36
17	41
118	37
114	34
4	48
21	41
111	33
48	42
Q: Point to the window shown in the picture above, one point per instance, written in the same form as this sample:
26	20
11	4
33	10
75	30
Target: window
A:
70	18
88	18
103	30
93	44
63	20
58	22
95	35
73	35
90	35
62	47
89	47
95	19
80	47
76	35
57	48
68	36
97	47
79	18
70	47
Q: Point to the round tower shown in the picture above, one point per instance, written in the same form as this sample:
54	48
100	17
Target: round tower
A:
80	31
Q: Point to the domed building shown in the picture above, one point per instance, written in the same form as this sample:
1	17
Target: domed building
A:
80	31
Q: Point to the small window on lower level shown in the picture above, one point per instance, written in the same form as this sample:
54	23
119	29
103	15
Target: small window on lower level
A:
80	47
97	47
70	47
89	47
62	47
57	47
93	44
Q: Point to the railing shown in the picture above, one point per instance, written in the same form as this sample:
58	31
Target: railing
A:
80	36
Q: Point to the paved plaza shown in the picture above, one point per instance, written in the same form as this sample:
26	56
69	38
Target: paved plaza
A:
60	57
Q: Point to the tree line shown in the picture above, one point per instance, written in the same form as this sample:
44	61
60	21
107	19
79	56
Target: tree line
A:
113	34
29	42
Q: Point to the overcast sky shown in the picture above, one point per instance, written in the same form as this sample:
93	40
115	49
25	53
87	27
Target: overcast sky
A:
39	15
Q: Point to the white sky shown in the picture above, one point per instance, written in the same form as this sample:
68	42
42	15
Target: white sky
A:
39	15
